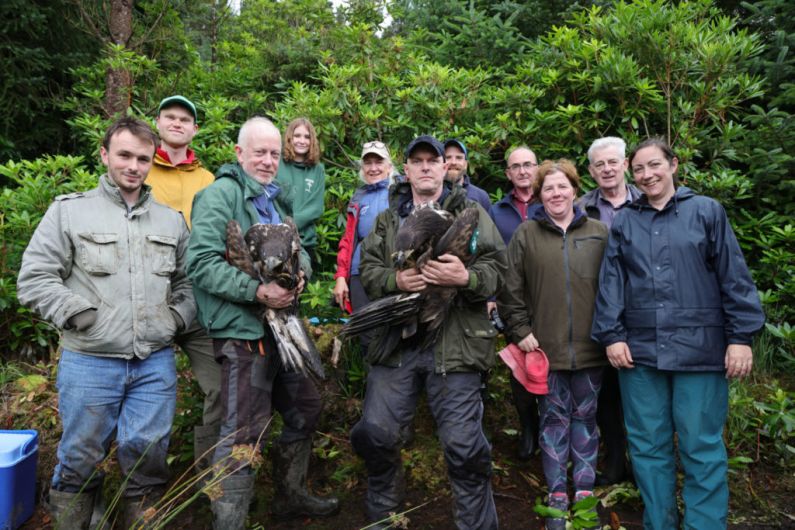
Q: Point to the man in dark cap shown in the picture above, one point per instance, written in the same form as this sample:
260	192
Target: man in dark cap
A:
449	369
457	156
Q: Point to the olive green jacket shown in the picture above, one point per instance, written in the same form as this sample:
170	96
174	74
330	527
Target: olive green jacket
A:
550	289
90	251
466	342
225	295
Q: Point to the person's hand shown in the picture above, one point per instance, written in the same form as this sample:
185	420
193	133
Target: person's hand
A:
490	306
410	281
619	355
341	292
301	283
274	296
447	270
529	343
82	320
739	360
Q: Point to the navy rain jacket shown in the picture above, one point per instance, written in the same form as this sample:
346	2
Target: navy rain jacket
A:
674	285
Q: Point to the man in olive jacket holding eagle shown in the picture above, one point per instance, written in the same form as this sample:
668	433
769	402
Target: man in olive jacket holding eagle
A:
450	367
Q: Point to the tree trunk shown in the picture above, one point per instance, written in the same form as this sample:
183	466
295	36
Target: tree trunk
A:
118	81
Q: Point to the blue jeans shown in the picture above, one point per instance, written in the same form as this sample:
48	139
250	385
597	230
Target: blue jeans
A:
658	403
101	398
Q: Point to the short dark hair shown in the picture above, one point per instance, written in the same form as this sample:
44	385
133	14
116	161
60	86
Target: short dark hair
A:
563	165
654	141
138	128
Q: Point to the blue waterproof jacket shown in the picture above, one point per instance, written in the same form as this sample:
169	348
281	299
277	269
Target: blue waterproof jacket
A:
674	285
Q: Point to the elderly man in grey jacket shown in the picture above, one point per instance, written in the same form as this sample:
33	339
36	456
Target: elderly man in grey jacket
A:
107	267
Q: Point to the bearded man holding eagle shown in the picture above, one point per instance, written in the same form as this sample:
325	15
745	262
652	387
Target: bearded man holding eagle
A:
444	345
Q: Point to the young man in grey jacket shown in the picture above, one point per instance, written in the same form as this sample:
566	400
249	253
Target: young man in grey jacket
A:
107	267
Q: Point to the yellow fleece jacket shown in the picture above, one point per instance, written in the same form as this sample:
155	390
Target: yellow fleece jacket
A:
175	186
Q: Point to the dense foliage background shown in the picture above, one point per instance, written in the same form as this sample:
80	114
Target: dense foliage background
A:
714	77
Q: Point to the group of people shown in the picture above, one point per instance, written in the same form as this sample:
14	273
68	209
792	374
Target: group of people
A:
639	298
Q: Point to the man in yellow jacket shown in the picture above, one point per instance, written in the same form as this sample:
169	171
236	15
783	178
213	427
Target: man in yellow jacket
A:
176	176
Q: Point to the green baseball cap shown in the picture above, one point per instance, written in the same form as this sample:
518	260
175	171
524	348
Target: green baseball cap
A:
182	101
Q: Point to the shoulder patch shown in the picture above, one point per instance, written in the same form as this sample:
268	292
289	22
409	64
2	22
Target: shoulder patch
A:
75	195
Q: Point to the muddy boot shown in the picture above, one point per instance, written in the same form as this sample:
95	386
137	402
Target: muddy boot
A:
71	511
205	438
291	498
527	409
139	511
231	509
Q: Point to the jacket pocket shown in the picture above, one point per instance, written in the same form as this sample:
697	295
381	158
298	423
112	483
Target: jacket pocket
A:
162	254
586	256
98	253
476	346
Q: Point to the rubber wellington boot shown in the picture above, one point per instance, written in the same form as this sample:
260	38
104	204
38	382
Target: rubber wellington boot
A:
71	511
137	514
291	498
527	410
231	509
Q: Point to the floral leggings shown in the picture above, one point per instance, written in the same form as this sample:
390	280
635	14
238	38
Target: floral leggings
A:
568	426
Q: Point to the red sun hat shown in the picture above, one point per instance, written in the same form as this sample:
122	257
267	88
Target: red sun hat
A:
531	369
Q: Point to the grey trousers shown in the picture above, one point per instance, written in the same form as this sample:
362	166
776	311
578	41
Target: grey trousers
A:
198	346
455	402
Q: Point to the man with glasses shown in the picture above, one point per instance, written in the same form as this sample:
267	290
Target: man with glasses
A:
607	164
508	213
458	161
449	370
519	204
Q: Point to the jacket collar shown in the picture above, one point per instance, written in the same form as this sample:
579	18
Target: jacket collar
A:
544	220
112	192
251	188
161	157
682	193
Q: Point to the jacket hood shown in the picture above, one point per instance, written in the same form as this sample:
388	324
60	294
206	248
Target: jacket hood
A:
251	188
682	193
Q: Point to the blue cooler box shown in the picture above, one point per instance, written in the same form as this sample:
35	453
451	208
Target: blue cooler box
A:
19	452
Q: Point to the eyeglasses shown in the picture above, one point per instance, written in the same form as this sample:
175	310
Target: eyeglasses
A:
376	144
527	165
612	163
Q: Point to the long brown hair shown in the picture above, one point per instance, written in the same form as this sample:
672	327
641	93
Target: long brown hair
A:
313	155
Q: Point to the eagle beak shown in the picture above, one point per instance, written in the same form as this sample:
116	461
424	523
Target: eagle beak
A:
401	257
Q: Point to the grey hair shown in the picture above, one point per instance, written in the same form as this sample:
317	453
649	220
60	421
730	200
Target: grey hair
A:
607	141
252	123
392	172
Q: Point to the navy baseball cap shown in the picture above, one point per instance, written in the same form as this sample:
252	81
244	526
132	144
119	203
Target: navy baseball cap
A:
459	144
428	141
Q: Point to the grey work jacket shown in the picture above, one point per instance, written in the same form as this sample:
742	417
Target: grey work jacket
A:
91	252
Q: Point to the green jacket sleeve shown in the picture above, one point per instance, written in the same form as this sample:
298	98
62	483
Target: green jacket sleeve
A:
207	267
487	269
375	267
511	303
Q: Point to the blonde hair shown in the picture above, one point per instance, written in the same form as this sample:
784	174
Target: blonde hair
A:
313	155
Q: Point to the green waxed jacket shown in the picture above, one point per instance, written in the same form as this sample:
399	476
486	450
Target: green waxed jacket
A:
466	343
225	296
551	287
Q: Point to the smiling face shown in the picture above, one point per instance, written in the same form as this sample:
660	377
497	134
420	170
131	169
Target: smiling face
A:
654	174
456	164
557	195
129	159
176	126
607	167
425	171
301	140
260	152
375	168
